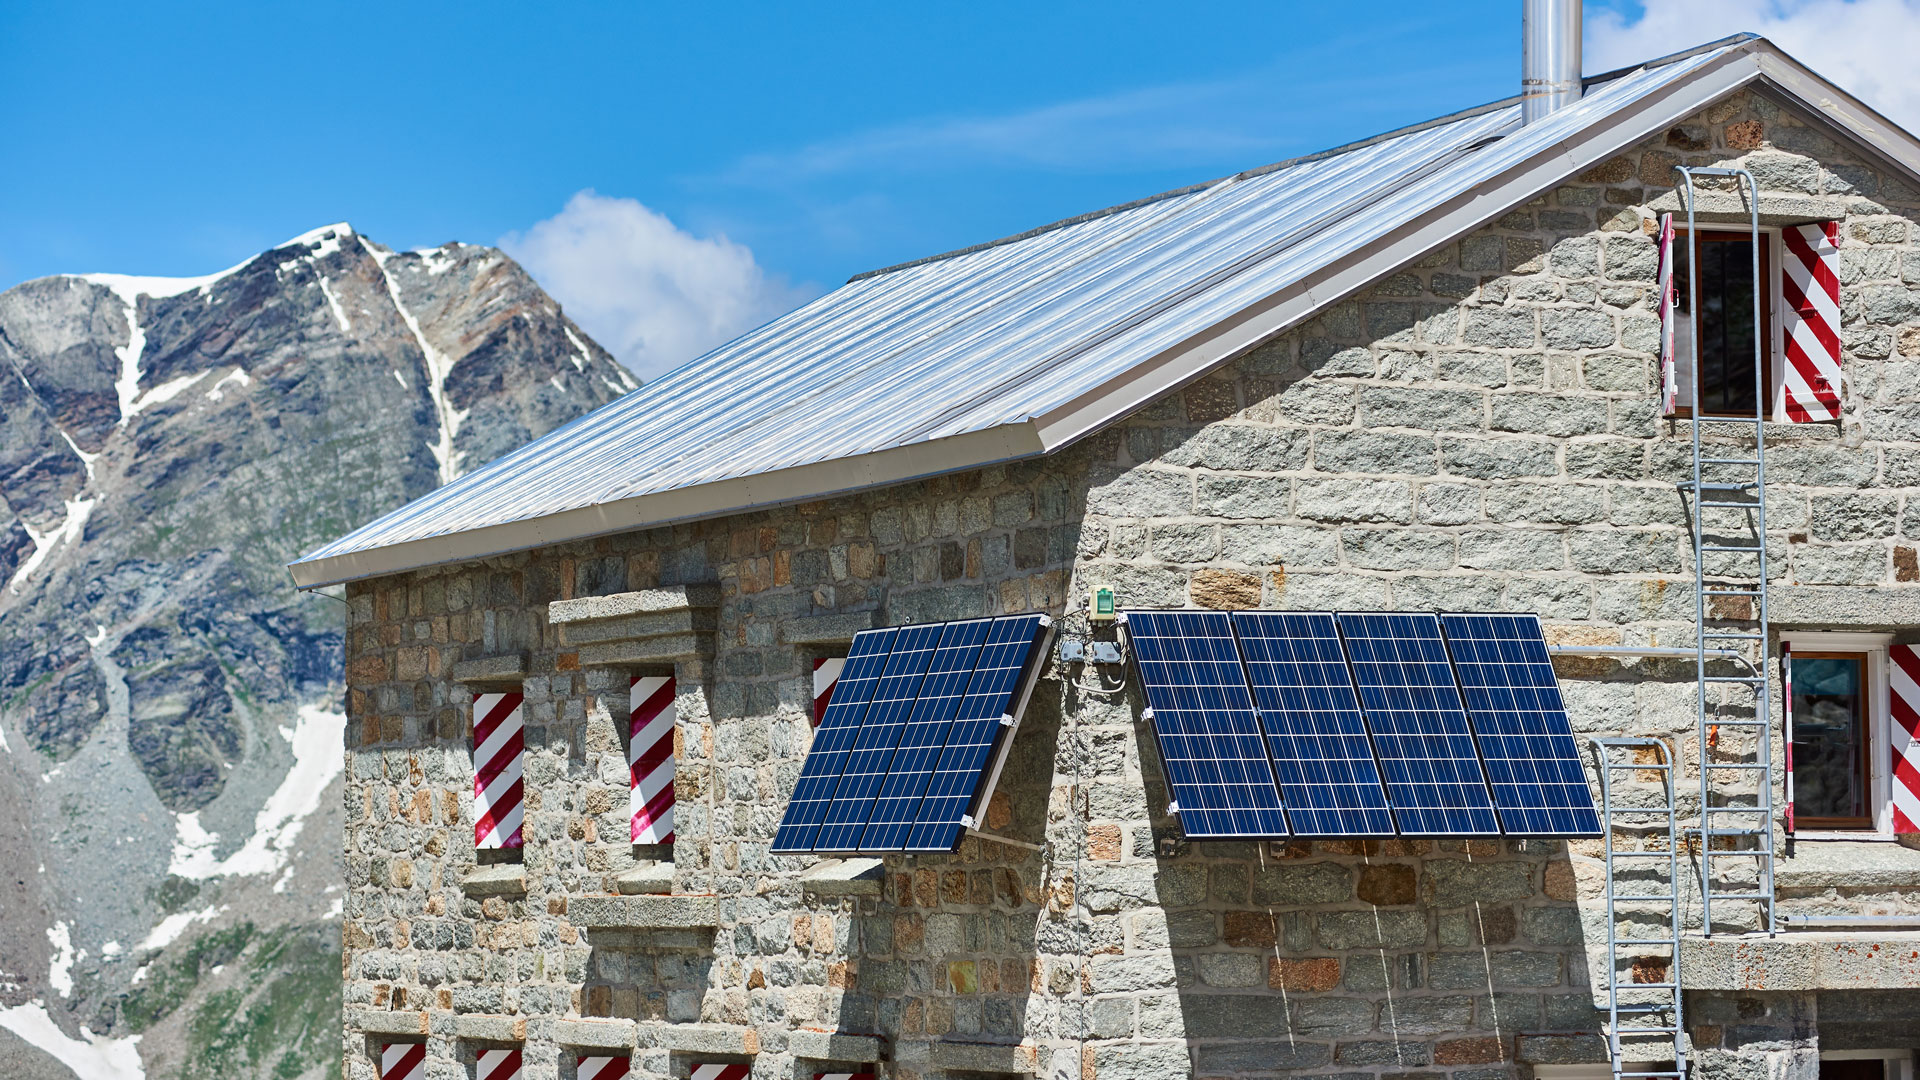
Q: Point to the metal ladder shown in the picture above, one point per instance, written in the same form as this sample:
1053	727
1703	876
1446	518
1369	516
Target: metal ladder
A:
1643	1013
1728	489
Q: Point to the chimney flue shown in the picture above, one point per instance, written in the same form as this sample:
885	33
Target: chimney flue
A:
1550	56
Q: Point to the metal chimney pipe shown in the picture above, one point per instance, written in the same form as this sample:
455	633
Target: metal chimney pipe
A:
1550	56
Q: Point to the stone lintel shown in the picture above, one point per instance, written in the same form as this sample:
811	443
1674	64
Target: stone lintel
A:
737	1040
1868	960
833	1046
594	1034
644	912
498	879
1844	607
827	629
845	877
510	668
660	650
642	602
1844	864
652	878
387	1021
1728	208
984	1057
631	627
482	1028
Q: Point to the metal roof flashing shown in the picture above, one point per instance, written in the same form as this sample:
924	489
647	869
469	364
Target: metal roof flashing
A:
1021	347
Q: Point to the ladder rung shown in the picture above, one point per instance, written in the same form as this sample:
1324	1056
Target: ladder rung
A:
1736	678
1729	547
1643	854
1729	592
1645	941
1709	485
1648	986
1756	897
1722	635
1737	723
1706	504
1728	461
1628	899
1742	767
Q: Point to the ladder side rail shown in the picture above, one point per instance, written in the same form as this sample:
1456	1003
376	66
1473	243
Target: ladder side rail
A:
1698	520
1763	696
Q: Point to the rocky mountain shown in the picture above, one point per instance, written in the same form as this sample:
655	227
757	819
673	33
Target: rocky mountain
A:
170	713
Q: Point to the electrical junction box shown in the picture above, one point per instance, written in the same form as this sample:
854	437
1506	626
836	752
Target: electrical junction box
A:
1100	608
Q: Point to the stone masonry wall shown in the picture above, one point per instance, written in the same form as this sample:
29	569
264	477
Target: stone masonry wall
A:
1477	432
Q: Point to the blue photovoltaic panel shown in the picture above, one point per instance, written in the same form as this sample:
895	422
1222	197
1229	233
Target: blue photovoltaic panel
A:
887	716
994	692
1209	734
1314	727
892	815
1420	729
1526	741
820	775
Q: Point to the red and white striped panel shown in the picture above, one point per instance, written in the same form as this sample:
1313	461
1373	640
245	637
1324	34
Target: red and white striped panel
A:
650	759
497	1065
499	744
720	1072
403	1061
602	1068
826	675
1903	677
1810	285
1669	375
843	1076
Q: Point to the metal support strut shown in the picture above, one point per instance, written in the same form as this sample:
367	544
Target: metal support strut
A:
1644	1023
1729	527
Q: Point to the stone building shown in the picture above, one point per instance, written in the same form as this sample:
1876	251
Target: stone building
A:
1422	372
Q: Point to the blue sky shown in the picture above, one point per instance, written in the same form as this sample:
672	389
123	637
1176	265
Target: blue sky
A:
817	141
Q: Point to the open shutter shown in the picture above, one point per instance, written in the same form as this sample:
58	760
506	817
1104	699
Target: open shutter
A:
1669	378
650	763
1810	285
1903	675
499	743
1786	723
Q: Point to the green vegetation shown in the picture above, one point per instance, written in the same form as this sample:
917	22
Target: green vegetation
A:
173	895
282	1022
167	985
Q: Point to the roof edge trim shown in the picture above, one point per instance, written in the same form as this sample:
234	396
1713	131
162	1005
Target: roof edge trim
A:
801	483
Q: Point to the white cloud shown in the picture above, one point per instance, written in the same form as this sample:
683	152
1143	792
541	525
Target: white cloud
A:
1864	46
651	292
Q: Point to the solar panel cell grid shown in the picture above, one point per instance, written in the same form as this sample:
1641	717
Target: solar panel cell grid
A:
998	681
924	736
880	731
1526	740
1420	729
1313	724
1209	734
820	774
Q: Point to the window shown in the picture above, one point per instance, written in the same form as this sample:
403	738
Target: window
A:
1724	294
1839	723
1866	1065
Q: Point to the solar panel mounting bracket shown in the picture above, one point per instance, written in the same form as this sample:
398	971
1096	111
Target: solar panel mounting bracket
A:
1006	721
1172	807
1005	840
1011	722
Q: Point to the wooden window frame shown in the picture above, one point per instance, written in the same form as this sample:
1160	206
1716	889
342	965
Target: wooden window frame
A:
1766	407
1876	647
1863	733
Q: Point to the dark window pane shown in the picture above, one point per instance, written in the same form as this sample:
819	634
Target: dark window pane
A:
1856	1069
1829	738
1726	321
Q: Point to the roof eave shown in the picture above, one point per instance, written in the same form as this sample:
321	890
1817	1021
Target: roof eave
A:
802	483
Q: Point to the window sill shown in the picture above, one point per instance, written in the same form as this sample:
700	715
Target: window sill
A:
1865	835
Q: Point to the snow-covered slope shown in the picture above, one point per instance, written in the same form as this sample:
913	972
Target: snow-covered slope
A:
170	710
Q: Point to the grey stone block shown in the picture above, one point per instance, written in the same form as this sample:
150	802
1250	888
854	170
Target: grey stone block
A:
594	1034
387	1022
827	629
1371	929
846	877
633	627
833	1046
983	1057
509	668
648	650
1397	549
499	879
1842	865
652	878
482	1028
1354	500
642	602
733	1039
644	912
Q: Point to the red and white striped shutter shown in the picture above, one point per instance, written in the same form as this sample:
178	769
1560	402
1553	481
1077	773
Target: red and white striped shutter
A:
602	1068
715	1071
499	745
1669	375
843	1076
1786	717
403	1061
826	675
650	759
1810	285
1903	676
497	1065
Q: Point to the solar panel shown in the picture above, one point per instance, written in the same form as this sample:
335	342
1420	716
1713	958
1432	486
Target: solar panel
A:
872	752
996	690
1532	761
904	784
1420	729
827	758
1313	723
1209	735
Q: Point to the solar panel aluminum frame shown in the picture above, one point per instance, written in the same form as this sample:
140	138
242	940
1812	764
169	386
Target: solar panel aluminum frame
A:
1010	727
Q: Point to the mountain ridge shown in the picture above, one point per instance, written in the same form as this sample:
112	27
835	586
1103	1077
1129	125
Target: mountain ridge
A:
170	709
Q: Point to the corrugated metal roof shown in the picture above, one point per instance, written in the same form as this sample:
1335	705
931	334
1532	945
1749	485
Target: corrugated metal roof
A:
973	343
